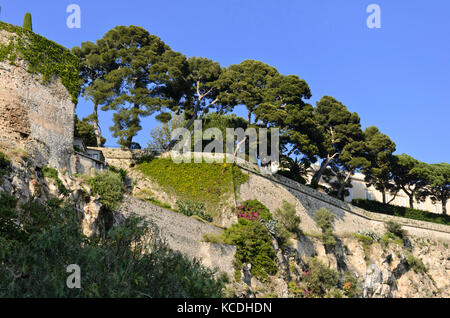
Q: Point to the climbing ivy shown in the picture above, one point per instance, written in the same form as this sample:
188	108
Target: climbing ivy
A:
44	57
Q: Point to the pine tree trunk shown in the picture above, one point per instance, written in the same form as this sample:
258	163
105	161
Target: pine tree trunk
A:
342	186
411	201
316	178
98	136
444	206
383	193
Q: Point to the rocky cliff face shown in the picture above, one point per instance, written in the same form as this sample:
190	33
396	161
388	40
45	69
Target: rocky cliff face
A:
381	270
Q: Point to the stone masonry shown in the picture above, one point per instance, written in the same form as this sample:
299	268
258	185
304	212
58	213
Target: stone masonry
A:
35	116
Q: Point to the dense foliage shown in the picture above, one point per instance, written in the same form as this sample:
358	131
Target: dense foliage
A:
324	220
4	164
378	207
254	210
254	247
109	185
43	56
130	262
318	280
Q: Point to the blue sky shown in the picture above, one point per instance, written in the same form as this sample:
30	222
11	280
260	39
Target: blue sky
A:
396	77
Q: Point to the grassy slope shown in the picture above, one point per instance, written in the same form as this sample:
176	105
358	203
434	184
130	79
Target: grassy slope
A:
209	183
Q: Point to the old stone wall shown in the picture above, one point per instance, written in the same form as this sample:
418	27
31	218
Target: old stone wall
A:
184	234
273	189
34	115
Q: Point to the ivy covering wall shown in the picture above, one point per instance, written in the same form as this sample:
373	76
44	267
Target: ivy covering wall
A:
44	57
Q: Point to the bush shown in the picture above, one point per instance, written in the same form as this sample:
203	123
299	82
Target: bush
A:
378	207
350	286
285	225
395	228
123	264
110	187
287	217
254	246
254	210
4	164
320	279
190	208
324	220
416	264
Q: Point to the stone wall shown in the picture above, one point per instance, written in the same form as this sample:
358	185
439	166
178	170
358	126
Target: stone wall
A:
273	189
37	117
184	234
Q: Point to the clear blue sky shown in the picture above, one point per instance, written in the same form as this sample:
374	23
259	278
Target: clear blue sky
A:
396	77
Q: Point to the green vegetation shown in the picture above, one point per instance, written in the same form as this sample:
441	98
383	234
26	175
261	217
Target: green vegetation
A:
85	130
287	223
4	164
366	241
254	246
409	213
27	25
394	232
123	264
53	174
190	208
416	264
43	56
109	186
318	280
207	183
324	220
254	210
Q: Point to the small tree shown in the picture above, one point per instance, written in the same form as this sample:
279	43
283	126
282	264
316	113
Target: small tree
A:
324	219
27	24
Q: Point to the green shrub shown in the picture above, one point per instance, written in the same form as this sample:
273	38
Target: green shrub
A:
27	24
366	241
190	208
254	246
4	164
378	207
122	172
254	210
287	217
109	186
395	228
123	264
320	279
350	286
324	220
416	264
8	228
213	238
53	174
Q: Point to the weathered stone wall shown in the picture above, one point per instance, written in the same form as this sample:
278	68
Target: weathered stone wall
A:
184	234
273	189
33	113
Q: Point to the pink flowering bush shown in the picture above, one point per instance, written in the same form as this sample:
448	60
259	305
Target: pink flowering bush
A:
253	210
